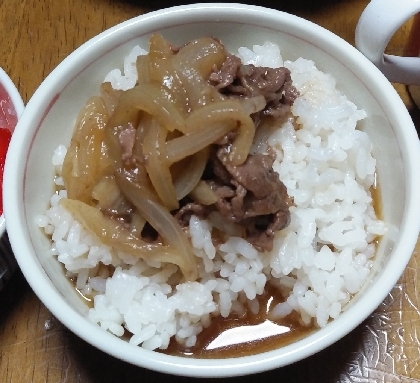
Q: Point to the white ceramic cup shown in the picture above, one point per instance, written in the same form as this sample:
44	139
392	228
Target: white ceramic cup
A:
377	24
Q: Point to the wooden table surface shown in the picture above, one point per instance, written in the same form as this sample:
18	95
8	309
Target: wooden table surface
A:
36	35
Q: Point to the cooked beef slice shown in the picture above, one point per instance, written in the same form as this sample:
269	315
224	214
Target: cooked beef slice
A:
234	79
251	195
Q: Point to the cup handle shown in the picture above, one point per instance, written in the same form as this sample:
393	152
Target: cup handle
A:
377	24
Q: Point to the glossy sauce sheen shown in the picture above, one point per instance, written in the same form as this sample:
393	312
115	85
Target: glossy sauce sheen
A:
247	335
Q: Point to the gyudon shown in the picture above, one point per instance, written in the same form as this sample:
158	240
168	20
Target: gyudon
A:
202	185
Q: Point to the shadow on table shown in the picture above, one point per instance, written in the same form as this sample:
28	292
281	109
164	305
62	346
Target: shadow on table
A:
12	296
291	6
415	115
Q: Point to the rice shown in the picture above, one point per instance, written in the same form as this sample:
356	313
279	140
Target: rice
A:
318	262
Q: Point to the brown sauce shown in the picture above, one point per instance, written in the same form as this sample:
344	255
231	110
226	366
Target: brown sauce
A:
375	192
248	335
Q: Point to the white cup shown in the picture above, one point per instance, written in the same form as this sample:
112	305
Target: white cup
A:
377	24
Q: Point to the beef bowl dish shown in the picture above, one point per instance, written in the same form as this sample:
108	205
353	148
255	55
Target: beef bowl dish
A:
213	186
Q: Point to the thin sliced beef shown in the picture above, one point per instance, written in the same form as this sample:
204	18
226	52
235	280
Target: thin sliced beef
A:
184	214
256	174
251	195
226	75
234	79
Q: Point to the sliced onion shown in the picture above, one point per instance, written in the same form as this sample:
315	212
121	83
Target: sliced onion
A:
159	47
229	110
137	224
242	142
188	144
157	166
203	194
142	66
106	192
204	54
191	174
199	91
150	98
164	223
110	96
253	104
162	72
222	112
138	176
86	160
115	235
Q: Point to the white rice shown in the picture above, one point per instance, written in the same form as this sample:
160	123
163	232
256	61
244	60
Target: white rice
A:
327	168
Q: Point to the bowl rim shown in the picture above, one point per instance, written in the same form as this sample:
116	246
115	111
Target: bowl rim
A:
112	345
17	102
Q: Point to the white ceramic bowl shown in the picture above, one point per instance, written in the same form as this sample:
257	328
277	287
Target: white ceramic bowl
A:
48	121
11	107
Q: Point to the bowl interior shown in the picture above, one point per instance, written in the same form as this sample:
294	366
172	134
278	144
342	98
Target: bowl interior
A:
50	115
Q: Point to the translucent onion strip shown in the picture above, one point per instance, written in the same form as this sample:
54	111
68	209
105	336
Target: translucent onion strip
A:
138	176
203	194
110	96
204	54
193	64
159	47
113	234
198	90
188	144
154	150
164	223
227	110
86	160
192	173
142	66
149	98
163	72
106	192
137	224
